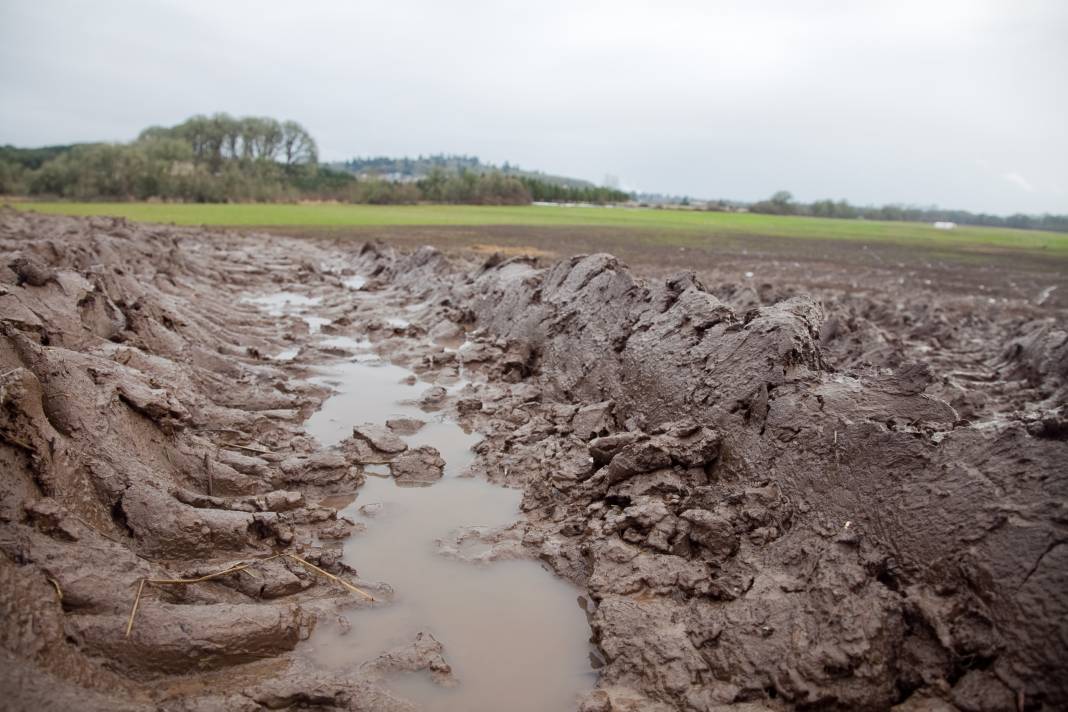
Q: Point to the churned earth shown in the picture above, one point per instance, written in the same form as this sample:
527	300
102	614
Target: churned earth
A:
247	471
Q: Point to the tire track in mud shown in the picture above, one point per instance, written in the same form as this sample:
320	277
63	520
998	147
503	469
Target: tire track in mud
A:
155	427
790	505
738	483
513	636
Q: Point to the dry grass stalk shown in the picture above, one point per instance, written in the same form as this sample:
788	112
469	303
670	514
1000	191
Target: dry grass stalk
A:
211	472
246	447
59	591
133	611
242	566
341	581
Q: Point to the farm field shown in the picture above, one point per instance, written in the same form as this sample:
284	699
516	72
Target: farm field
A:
670	226
659	357
350	380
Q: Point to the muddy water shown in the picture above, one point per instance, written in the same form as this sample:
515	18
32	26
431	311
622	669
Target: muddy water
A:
514	635
281	303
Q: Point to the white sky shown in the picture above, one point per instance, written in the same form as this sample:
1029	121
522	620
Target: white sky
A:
959	103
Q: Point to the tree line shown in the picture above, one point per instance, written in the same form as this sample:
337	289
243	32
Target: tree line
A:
783	203
220	158
215	158
420	167
221	137
464	187
416	167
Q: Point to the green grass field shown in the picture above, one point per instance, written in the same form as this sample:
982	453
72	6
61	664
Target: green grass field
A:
326	216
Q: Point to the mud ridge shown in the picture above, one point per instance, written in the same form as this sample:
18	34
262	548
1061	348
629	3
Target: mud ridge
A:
145	433
757	524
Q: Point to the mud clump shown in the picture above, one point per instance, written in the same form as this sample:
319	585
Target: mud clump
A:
143	434
823	529
418	467
774	501
379	438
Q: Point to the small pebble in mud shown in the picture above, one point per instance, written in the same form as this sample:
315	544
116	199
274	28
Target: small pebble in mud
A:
343	625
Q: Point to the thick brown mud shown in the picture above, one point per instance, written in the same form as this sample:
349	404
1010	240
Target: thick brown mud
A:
765	500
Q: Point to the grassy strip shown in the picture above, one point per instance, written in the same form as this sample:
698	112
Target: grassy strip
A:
346	215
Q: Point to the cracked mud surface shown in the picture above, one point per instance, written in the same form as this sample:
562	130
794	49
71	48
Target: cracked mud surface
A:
849	500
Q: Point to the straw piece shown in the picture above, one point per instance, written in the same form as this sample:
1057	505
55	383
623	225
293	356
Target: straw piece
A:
133	611
246	447
238	567
59	591
232	570
211	472
341	581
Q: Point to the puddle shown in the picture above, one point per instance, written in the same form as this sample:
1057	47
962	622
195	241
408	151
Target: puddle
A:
345	343
287	354
417	306
286	303
457	345
370	391
281	303
514	634
315	323
338	501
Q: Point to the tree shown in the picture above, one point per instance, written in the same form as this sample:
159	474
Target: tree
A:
298	147
11	178
261	138
433	186
782	198
780	203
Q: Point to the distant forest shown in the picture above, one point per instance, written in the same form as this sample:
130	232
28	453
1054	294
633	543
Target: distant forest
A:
782	203
412	169
220	158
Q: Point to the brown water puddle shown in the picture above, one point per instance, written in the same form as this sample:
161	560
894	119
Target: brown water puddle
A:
513	633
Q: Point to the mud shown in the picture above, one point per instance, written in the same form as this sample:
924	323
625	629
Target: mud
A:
513	635
796	494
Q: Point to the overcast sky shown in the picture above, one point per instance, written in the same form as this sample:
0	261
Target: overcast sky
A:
963	104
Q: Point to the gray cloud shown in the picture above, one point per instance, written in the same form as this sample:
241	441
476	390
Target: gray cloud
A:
906	100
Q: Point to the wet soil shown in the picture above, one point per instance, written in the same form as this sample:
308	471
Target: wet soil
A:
775	480
515	635
769	265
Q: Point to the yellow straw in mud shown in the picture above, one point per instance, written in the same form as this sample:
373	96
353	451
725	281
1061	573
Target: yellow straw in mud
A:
234	569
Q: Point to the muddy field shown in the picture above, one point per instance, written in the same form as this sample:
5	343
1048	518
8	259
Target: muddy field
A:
247	472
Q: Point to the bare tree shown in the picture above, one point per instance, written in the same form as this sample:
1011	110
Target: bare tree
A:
297	144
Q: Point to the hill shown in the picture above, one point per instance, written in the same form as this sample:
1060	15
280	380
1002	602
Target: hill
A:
407	169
